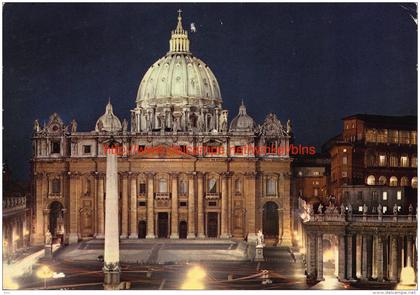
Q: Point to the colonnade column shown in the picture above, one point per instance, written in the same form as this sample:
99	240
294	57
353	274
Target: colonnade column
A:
191	207
200	207
74	214
150	205
251	205
174	207
350	257
133	207
319	257
224	234
379	258
341	257
311	254
394	259
124	206
364	257
409	251
101	215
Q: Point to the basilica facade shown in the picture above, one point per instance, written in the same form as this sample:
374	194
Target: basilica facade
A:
225	180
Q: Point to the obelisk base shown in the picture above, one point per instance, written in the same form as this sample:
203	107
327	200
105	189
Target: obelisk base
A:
111	277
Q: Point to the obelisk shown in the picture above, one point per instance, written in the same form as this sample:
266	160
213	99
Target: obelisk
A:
112	250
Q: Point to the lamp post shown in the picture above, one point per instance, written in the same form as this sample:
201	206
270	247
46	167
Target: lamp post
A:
44	272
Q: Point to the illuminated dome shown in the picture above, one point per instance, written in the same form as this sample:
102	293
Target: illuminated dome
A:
179	78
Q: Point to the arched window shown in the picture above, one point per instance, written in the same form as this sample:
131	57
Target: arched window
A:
414	182
271	187
382	180
163	185
370	180
404	181
212	185
393	181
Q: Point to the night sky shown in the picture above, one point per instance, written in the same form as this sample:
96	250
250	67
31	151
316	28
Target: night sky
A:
312	63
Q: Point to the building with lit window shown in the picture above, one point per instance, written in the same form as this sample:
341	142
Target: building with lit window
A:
218	184
379	152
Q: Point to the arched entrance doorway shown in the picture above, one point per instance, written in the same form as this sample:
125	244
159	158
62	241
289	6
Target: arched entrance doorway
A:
142	229
212	224
270	220
56	220
183	229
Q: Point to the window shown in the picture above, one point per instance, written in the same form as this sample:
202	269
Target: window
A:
414	182
404	181
142	188
55	148
360	208
212	185
344	174
375	196
212	203
393	181
404	137
316	173
382	160
393	136
55	186
345	160
183	188
404	161
384	196
382	180
398	195
86	149
315	192
371	135
142	204
183	148
163	185
370	160
370	180
182	204
382	136
141	148
393	161
384	209
271	147
414	161
399	208
271	187
413	137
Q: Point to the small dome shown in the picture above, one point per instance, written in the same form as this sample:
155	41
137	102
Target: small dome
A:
108	121
242	122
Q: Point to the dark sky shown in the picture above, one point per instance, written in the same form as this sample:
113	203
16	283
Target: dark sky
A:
312	63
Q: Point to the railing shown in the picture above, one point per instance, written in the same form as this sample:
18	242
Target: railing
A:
14	203
362	218
162	196
212	196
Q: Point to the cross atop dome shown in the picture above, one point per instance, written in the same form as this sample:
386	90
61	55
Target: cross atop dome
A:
179	41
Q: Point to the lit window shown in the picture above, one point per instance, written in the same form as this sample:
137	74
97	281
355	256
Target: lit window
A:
345	160
316	173
360	208
404	161
399	208
393	161
382	180
382	160
398	195
414	182
414	161
371	180
344	174
384	209
404	181
384	196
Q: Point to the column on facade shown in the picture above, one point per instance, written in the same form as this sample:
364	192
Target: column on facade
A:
350	257
133	207
364	257
174	207
150	205
46	213
224	207
101	215
409	251
124	206
319	257
341	257
39	230
251	205
74	214
191	207
286	238
200	206
311	254
358	252
369	256
394	259
379	258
